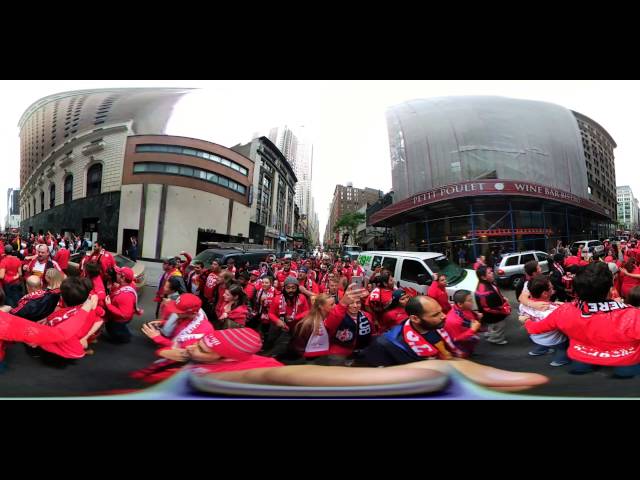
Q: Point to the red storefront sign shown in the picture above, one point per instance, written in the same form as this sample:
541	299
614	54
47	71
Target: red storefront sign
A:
483	188
503	232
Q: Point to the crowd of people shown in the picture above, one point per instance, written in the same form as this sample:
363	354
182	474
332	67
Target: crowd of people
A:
321	311
38	286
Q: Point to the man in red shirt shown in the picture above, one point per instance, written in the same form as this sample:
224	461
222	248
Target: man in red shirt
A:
286	310
122	305
601	332
74	292
282	275
462	323
575	258
39	265
11	276
104	259
16	329
62	257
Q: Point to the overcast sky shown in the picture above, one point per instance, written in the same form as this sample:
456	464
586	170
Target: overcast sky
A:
345	118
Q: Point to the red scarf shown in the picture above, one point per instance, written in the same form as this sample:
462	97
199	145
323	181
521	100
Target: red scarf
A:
422	348
130	289
283	308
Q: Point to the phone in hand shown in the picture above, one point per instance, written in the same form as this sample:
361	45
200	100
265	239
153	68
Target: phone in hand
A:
358	280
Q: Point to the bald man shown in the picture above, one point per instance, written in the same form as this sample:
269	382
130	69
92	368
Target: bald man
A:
420	337
39	303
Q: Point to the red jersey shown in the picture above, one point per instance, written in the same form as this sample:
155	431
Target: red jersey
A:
62	257
281	276
393	317
439	292
210	285
605	333
16	329
292	312
104	259
627	283
71	348
123	304
458	326
185	332
12	267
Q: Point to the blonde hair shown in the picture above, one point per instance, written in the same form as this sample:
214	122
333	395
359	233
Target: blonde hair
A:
54	277
312	321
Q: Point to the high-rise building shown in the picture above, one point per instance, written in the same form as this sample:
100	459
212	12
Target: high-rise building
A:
628	211
347	199
272	217
12	220
298	150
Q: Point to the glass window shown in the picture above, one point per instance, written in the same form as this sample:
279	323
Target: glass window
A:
225	162
203	174
68	189
377	261
212	177
526	258
188	171
223	181
411	269
390	264
52	196
94	180
542	256
189	151
172	168
511	261
140	168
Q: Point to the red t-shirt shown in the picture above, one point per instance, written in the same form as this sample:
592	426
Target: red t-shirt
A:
12	266
62	257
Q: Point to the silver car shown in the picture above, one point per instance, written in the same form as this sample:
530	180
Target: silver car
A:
510	270
589	247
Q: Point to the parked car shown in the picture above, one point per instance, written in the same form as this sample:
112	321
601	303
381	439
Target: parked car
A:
416	270
510	270
352	251
589	247
223	255
121	261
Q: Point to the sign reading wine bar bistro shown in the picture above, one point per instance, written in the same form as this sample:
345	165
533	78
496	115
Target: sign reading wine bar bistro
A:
485	187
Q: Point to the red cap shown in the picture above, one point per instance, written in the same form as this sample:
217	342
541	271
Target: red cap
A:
255	273
186	303
127	273
234	343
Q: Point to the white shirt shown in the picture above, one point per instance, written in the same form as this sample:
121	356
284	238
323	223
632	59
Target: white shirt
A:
548	339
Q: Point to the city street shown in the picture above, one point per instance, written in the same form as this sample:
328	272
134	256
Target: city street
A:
107	371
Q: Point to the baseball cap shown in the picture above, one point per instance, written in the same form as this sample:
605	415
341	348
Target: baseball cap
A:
303	269
185	303
255	273
291	281
234	343
126	272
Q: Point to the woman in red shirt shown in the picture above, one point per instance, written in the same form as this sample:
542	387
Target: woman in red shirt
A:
629	276
235	310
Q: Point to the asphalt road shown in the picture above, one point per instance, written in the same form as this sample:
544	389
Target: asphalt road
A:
108	370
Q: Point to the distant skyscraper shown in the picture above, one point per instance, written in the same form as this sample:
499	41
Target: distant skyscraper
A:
298	150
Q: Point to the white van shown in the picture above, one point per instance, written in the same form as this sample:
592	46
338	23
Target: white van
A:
416	269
